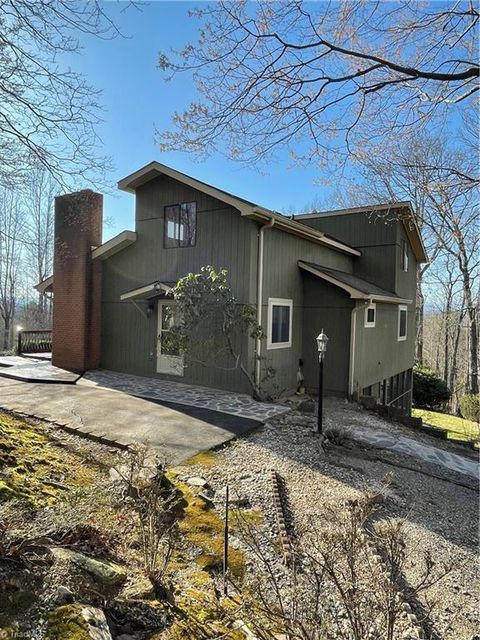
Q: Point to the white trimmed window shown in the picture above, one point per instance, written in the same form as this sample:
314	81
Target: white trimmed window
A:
370	315
402	322
279	334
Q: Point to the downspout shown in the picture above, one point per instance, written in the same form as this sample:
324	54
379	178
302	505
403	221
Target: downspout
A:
353	336
258	340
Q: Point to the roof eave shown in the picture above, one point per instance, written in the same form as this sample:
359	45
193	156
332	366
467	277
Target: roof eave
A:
45	285
155	288
155	169
302	231
353	292
248	209
414	234
119	242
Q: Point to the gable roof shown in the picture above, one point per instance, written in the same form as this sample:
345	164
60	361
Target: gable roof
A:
356	287
246	207
402	210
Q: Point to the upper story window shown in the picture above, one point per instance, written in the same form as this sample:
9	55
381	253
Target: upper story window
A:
370	315
402	322
279	334
404	249
180	228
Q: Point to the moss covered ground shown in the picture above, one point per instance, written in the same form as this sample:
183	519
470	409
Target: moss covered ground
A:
59	486
33	468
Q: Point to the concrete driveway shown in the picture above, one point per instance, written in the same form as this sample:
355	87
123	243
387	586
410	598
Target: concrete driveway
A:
176	431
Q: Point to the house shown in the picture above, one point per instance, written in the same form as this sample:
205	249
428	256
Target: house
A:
351	272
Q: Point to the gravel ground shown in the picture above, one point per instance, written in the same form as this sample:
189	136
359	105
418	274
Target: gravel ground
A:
440	516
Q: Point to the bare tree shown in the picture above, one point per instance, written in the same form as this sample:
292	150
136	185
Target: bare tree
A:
462	226
47	111
446	205
38	200
334	77
11	231
347	580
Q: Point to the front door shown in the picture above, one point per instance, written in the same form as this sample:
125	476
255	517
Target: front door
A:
169	359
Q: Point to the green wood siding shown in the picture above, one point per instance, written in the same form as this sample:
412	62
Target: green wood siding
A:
327	307
375	237
379	354
406	281
224	239
284	279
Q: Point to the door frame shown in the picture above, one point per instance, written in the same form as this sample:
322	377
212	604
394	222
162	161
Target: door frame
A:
166	364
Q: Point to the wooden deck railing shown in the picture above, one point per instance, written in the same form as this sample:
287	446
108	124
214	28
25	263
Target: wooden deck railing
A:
34	341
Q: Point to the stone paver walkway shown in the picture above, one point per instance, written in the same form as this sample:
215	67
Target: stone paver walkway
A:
411	447
237	404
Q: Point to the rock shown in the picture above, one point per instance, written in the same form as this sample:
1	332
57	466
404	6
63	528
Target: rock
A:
96	622
369	402
115	475
196	481
307	406
77	621
126	636
108	573
63	595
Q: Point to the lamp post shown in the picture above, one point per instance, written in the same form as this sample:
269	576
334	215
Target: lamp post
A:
322	340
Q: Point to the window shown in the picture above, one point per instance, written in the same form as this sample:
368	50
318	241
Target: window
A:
370	315
404	248
180	225
279	333
402	322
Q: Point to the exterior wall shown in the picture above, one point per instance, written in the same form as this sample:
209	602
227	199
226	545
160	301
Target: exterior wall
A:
224	239
378	352
77	305
327	307
375	237
405	281
284	279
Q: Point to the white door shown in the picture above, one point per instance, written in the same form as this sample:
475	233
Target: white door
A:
169	359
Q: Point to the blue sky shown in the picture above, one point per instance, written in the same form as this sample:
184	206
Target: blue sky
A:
137	100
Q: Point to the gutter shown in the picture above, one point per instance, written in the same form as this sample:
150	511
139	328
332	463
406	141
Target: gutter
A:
298	229
258	340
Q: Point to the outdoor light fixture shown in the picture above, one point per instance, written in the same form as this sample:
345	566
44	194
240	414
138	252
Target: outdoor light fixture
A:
18	328
322	340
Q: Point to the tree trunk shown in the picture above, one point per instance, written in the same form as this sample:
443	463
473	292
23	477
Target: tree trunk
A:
446	336
419	314
472	379
6	334
452	381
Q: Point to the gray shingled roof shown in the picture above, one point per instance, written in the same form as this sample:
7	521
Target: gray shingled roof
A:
368	289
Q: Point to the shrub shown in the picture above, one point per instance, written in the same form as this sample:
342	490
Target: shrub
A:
470	407
429	390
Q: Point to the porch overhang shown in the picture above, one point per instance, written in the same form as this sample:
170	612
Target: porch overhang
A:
148	291
356	287
45	286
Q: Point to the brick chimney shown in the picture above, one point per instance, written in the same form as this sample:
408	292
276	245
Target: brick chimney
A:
77	281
